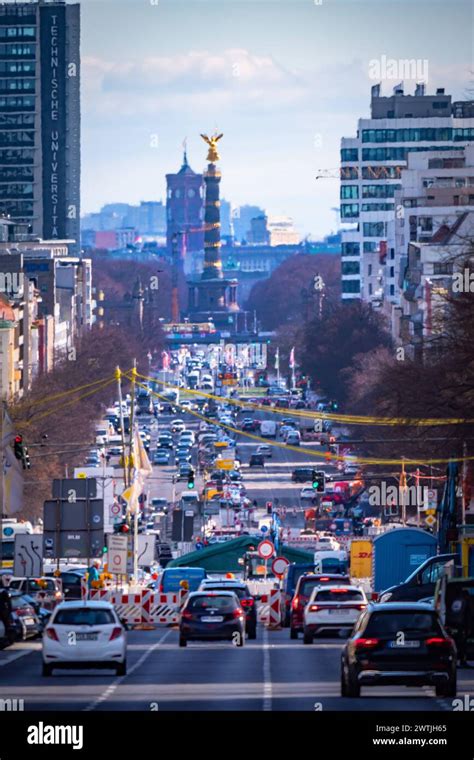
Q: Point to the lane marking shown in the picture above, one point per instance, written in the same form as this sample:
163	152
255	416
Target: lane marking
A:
267	676
116	683
15	655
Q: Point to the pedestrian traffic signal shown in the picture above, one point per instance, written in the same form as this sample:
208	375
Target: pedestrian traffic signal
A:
318	480
269	507
191	479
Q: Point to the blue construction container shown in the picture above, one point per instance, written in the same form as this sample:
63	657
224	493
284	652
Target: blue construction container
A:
397	553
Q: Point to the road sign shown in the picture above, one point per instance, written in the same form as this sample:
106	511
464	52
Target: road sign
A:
430	520
28	555
117	547
116	510
431	500
279	566
264	528
146	549
265	549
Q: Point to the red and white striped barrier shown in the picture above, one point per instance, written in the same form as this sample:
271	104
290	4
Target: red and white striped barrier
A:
164	609
269	610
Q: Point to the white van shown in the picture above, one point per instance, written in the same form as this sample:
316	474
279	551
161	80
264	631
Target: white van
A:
268	429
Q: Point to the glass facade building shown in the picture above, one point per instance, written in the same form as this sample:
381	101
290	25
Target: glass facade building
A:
370	173
40	117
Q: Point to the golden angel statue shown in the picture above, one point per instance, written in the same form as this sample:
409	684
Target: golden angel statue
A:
212	142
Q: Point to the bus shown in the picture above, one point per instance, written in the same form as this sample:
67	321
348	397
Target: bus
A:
10	528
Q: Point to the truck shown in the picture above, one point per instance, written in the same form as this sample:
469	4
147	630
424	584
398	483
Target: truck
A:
11	528
268	429
193	378
144	402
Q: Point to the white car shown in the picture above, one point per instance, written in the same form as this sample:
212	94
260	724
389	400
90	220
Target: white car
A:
178	426
327	543
332	608
264	449
84	635
187	437
308	493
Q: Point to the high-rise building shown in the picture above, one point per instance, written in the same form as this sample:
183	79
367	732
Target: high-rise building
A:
371	167
40	116
242	217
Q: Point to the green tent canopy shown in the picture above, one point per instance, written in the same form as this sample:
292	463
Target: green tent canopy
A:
223	557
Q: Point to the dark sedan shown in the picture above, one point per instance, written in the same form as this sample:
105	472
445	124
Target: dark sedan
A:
209	615
399	643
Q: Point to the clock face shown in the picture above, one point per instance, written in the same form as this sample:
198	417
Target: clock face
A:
191	193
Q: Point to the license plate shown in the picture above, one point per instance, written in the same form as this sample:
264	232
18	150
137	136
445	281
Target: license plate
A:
29	621
217	619
337	612
86	636
404	644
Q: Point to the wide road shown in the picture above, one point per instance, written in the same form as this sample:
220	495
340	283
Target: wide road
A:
271	673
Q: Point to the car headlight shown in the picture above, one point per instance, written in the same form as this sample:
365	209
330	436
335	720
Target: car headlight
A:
386	597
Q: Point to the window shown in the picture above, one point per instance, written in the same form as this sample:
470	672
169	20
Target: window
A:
443	268
379	191
370	289
350	249
422	134
369	270
392	290
349	154
381	172
349	191
350	267
351	286
349	172
463	134
426	223
377	207
374	229
349	210
370	247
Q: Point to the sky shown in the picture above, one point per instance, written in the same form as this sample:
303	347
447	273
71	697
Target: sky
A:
284	80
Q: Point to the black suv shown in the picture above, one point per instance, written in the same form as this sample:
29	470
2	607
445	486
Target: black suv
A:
400	643
302	475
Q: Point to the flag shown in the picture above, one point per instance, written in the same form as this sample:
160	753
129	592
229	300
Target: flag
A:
292	358
141	470
277	359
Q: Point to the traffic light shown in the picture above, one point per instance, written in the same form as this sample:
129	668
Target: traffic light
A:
269	507
18	446
191	479
318	480
26	459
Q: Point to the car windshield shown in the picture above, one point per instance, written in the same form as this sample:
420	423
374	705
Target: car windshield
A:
390	623
84	616
307	585
242	593
206	603
339	595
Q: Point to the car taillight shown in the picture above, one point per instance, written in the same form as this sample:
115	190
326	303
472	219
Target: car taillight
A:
246	602
314	607
366	643
237	612
295	602
360	606
116	633
438	641
186	614
51	634
58	595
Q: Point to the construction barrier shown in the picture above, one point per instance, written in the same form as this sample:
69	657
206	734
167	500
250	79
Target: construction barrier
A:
269	611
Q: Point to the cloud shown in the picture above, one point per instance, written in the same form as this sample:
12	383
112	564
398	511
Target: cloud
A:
234	77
